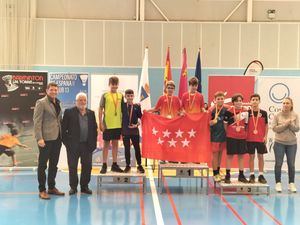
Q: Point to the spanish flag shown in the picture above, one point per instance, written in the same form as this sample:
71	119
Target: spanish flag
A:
168	72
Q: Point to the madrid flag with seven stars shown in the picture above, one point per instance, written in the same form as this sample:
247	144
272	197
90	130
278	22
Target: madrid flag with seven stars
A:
182	139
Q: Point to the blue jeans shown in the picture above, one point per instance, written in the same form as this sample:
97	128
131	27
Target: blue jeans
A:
290	151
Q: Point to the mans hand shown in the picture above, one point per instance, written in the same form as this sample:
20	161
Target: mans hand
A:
41	143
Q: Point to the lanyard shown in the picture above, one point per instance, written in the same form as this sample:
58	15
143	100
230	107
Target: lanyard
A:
115	100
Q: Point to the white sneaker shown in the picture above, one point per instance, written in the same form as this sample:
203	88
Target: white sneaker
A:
292	188
278	187
217	178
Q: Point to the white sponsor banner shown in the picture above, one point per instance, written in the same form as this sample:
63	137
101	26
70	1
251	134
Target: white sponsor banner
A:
99	85
272	91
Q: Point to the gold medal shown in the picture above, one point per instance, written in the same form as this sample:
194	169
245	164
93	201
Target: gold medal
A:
255	132
238	129
169	116
215	121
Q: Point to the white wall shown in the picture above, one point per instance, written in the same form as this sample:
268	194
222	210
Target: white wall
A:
175	10
119	43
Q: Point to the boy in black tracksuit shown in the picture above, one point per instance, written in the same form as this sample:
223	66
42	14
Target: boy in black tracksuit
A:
130	114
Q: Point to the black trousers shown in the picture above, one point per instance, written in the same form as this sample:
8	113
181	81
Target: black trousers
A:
49	153
135	139
86	165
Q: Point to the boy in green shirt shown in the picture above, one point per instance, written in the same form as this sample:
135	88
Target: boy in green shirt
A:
110	119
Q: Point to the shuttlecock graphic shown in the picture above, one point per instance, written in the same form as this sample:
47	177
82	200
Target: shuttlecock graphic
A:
83	78
8	83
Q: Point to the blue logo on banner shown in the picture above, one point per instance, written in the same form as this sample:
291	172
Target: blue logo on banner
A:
278	92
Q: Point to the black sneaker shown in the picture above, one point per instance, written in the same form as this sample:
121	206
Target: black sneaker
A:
252	179
140	169
72	191
127	169
261	179
227	179
243	179
86	191
116	168
103	169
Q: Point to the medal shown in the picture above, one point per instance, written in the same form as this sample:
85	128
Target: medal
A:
191	104
115	102
130	113
169	107
217	114
238	128
255	121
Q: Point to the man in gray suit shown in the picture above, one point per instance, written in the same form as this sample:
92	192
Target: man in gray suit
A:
47	118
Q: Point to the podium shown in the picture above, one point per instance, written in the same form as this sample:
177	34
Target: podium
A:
186	170
120	178
239	188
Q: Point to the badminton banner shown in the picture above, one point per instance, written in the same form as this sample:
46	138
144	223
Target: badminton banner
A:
70	84
272	91
18	94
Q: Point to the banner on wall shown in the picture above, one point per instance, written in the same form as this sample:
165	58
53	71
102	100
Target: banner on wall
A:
272	91
19	90
99	85
69	85
231	85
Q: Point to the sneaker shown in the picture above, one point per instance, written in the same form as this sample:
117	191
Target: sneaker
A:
217	178
116	168
140	169
127	169
86	190
227	179
243	179
261	179
278	187
72	191
252	179
292	187
103	169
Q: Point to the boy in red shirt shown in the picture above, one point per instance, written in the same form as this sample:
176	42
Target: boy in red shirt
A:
168	105
236	118
192	101
256	137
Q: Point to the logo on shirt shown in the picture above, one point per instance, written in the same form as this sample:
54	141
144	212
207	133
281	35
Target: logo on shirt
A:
278	92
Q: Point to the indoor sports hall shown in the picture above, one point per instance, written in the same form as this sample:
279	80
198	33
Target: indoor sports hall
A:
149	112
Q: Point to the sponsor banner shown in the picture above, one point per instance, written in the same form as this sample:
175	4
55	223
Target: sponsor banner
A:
19	91
272	91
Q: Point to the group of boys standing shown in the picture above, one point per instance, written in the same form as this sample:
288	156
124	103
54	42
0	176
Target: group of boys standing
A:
235	128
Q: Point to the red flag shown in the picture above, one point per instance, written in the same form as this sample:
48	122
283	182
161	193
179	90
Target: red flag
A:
183	83
168	72
184	139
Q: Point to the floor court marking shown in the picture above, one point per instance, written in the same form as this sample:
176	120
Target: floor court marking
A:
171	201
142	203
228	205
264	210
157	209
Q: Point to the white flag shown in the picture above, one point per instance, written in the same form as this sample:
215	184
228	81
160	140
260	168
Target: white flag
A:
144	88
